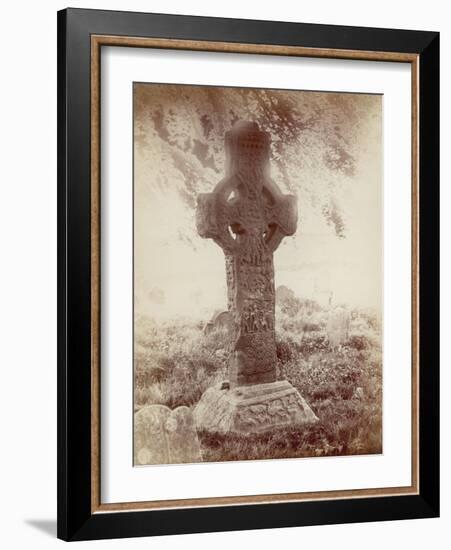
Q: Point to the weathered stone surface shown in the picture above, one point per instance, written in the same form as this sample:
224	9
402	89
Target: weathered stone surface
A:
150	442
183	441
248	216
252	408
162	436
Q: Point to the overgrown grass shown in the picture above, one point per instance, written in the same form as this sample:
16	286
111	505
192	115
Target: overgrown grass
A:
176	362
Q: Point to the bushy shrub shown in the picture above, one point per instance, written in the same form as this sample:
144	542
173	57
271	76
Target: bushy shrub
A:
313	343
358	342
283	351
311	326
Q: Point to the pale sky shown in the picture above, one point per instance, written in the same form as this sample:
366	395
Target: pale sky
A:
313	263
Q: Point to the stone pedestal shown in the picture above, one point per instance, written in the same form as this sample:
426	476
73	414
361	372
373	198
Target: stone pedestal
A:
252	409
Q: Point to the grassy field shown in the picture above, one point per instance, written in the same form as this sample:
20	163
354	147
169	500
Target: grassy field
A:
175	362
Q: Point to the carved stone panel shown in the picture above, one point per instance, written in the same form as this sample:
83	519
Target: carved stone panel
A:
250	409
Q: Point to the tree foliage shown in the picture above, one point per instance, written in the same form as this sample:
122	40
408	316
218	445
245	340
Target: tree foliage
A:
179	140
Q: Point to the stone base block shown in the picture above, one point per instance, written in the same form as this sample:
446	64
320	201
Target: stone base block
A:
250	409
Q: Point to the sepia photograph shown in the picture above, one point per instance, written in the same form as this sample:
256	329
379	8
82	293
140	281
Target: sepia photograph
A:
258	274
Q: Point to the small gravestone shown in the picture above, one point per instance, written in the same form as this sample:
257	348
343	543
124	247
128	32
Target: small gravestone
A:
162	436
248	217
338	327
219	321
150	443
183	442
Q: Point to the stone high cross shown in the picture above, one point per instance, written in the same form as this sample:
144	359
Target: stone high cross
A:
248	216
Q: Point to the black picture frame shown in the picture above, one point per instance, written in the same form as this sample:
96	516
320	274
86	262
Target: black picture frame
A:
76	519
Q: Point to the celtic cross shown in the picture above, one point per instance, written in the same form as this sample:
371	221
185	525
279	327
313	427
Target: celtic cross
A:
248	216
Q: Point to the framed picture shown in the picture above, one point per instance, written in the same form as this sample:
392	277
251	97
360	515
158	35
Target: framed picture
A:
248	274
